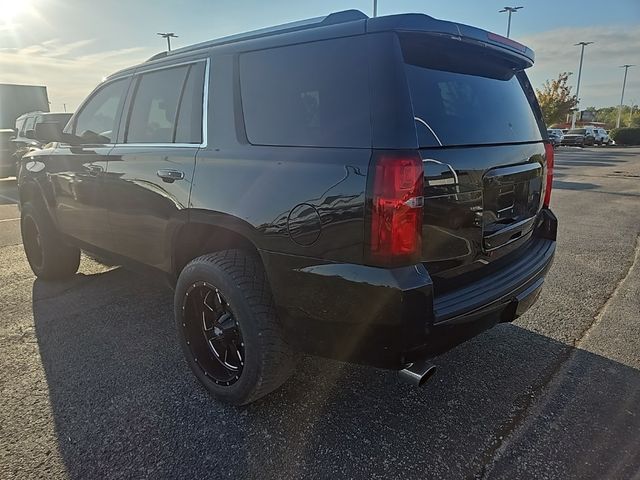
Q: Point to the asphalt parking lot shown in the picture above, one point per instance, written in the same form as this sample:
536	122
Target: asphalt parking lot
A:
93	384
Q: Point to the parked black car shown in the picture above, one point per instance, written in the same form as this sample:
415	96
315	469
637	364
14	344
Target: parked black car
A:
367	189
7	150
25	132
579	137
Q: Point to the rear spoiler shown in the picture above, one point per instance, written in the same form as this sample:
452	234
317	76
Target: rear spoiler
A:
419	23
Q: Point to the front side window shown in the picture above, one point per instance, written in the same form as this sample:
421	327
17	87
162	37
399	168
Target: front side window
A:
97	122
167	106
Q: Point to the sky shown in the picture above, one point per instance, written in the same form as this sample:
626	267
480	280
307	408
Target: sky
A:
70	45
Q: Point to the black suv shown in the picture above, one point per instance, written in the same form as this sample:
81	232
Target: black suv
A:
25	132
373	190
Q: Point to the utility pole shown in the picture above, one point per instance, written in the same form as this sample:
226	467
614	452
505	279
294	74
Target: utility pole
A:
624	82
375	8
168	36
582	44
509	10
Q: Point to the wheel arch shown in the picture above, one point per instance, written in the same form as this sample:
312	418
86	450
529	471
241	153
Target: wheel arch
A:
208	232
31	190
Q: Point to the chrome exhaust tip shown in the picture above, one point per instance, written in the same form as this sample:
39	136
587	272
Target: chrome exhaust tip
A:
417	373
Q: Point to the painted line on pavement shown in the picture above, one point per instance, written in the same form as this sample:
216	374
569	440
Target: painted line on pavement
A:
9	199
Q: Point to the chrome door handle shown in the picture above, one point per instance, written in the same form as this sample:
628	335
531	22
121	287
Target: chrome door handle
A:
170	176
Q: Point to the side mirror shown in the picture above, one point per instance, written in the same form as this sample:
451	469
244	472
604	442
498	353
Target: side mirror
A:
47	132
30	134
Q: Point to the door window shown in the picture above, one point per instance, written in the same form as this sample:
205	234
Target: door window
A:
29	124
19	126
189	125
167	106
97	122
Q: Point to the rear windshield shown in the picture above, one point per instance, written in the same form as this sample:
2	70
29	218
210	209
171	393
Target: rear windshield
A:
462	98
578	131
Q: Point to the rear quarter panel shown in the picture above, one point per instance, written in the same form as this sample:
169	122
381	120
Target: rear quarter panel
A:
306	201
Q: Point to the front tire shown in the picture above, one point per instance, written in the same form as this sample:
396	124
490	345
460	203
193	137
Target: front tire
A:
49	256
228	329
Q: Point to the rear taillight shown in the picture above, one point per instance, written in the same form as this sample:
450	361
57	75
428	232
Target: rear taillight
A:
396	209
549	154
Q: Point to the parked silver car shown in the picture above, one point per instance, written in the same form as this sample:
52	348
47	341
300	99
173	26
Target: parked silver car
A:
602	136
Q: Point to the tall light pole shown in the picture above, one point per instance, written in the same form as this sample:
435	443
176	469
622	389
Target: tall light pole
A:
582	44
509	10
624	82
168	36
375	8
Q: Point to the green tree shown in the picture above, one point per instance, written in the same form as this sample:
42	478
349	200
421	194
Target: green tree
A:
609	116
555	99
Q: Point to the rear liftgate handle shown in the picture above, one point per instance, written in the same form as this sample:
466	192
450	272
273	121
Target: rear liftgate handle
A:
170	176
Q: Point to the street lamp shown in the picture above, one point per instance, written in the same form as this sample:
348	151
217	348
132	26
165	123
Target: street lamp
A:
510	10
624	82
582	44
168	36
375	8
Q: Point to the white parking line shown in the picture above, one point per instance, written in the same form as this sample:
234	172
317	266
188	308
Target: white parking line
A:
9	199
9	220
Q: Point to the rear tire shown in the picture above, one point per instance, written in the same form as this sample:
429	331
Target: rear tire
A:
49	256
228	329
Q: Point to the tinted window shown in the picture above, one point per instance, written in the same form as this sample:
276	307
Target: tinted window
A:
155	107
97	122
30	123
19	125
465	98
314	94
61	118
189	126
577	131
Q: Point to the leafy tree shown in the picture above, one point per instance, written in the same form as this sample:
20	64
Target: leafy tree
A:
609	116
555	99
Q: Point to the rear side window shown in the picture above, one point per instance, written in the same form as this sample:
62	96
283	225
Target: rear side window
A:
155	106
167	106
315	95
189	125
460	99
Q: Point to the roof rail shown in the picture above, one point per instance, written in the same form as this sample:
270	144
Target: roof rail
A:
331	19
157	56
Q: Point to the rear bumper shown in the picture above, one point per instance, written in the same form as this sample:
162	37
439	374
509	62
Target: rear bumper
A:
389	317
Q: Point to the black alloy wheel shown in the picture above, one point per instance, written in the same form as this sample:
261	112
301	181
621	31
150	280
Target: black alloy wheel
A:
49	256
212	333
228	329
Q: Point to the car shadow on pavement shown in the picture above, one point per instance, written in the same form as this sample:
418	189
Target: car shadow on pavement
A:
126	405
